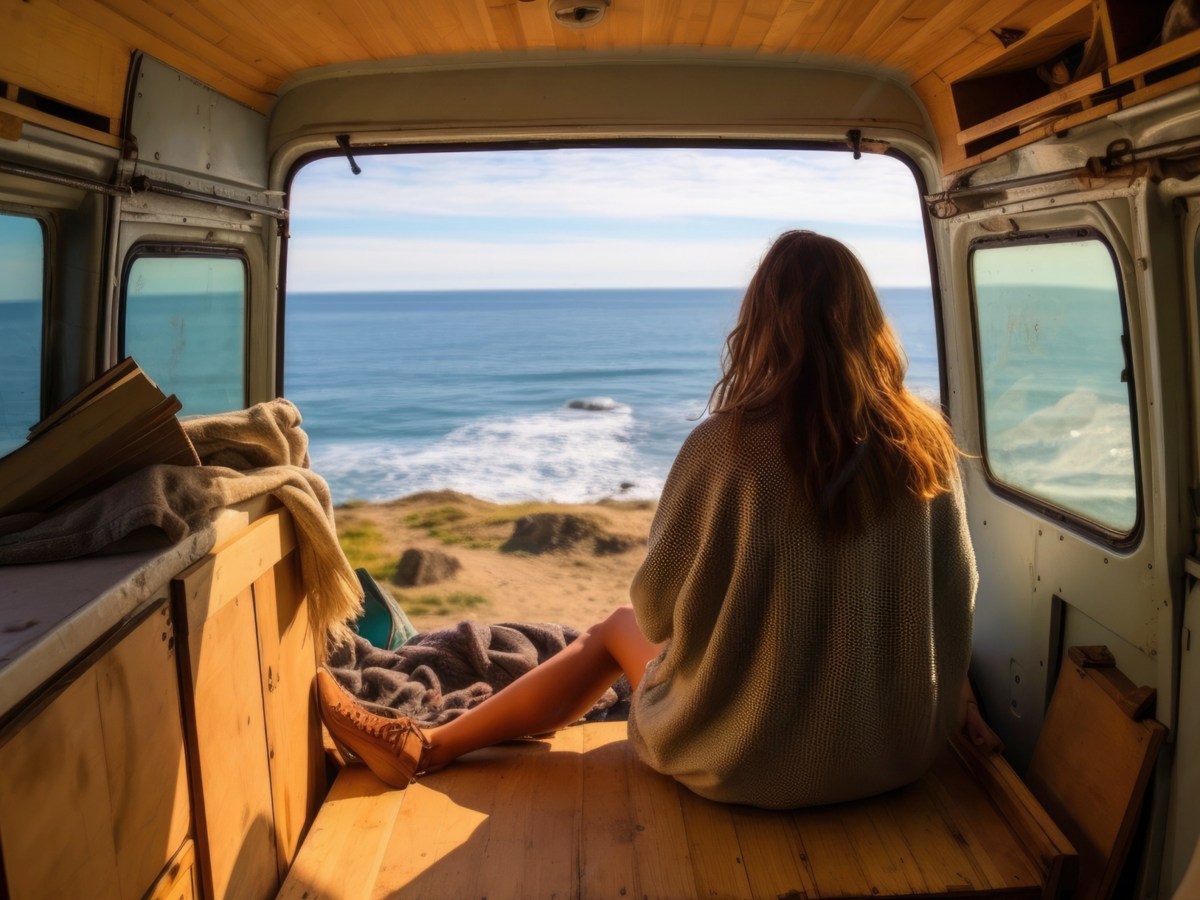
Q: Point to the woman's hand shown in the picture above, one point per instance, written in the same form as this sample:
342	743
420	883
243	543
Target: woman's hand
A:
978	731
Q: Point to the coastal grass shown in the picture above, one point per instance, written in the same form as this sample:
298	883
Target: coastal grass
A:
365	548
441	604
455	526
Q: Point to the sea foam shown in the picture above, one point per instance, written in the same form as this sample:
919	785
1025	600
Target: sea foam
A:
563	455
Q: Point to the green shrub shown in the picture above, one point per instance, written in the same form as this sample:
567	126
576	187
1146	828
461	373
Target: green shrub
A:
442	604
364	548
438	515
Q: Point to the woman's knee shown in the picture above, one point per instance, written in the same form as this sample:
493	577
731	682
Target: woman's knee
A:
624	642
618	623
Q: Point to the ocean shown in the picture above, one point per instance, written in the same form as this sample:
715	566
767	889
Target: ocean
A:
478	391
578	395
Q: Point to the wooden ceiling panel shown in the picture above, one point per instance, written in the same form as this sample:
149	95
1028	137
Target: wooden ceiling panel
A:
624	20
377	32
506	23
811	31
790	18
722	24
692	24
947	35
887	23
658	21
78	51
839	24
321	35
113	27
1047	26
259	37
756	20
139	17
248	48
475	25
46	49
538	31
923	23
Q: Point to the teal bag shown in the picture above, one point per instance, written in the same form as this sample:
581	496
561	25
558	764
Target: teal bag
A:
383	623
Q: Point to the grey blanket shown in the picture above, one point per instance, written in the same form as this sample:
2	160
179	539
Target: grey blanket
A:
439	675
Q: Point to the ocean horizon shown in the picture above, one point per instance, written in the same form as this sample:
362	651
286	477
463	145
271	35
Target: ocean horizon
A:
575	396
568	396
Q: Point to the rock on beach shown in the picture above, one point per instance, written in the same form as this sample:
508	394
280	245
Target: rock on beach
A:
417	567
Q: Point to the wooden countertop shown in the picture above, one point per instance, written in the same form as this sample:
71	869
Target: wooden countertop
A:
52	614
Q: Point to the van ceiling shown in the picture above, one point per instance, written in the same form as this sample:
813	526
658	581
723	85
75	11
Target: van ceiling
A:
77	52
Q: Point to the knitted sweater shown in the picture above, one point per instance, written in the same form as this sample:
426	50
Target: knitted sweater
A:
799	669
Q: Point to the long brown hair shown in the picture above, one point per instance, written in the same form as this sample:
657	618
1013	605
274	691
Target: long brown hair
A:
812	343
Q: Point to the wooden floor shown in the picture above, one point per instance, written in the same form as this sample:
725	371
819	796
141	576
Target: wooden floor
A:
577	815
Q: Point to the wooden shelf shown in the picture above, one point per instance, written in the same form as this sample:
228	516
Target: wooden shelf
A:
14	113
1006	104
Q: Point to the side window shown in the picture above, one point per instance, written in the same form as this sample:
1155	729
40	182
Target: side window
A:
183	318
22	276
1057	402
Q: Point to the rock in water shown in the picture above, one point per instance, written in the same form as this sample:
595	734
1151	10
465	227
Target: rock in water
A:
543	532
425	567
594	404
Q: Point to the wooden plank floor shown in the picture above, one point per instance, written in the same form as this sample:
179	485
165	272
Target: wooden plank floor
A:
578	815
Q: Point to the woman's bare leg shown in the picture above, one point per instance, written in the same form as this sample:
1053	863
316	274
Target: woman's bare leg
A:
556	693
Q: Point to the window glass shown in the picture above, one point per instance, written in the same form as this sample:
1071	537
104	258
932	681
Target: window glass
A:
1056	403
22	267
185	324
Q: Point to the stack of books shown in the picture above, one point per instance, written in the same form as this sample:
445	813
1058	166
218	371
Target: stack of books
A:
119	423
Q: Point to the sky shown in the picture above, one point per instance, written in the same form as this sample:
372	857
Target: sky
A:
21	258
162	276
1075	264
592	217
568	218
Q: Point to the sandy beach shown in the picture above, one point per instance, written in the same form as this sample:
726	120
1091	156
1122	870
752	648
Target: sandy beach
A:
571	564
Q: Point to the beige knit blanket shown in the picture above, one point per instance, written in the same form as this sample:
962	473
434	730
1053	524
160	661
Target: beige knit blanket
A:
261	450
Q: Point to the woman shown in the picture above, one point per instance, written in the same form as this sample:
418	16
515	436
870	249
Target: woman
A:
800	629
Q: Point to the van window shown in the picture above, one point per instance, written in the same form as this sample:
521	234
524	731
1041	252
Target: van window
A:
547	324
1057	401
183	318
22	278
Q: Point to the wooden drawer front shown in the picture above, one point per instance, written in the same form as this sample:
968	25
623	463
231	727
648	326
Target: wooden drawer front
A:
93	790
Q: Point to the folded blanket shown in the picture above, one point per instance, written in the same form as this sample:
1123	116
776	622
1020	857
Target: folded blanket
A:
267	434
267	442
437	676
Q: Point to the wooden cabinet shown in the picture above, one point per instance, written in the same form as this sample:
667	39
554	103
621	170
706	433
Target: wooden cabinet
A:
93	784
1045	75
182	756
253	731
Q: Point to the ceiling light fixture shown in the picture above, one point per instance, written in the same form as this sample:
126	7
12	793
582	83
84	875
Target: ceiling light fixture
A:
578	13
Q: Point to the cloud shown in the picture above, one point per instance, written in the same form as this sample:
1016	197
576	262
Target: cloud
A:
386	263
614	184
587	217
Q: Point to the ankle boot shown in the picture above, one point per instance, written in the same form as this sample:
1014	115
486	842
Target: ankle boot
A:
393	749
